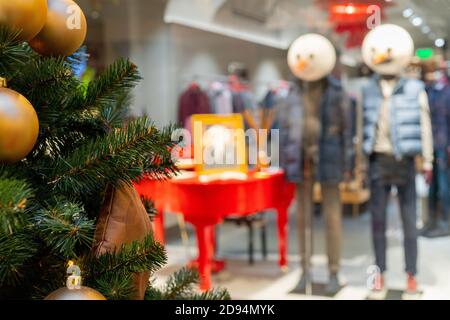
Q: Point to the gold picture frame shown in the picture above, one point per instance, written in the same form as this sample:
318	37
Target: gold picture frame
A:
219	137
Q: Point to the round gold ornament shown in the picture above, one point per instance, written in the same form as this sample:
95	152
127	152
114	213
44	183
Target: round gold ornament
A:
64	30
83	293
73	289
26	16
19	126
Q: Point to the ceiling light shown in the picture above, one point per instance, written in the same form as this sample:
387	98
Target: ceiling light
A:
350	9
408	12
426	29
439	42
417	21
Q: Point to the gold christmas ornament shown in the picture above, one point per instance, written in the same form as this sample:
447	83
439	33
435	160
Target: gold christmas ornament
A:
73	289
64	30
83	293
26	16
19	125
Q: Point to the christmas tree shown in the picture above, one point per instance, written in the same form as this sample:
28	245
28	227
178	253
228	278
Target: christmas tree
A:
50	197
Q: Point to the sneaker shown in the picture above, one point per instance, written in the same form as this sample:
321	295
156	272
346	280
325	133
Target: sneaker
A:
431	225
411	284
441	230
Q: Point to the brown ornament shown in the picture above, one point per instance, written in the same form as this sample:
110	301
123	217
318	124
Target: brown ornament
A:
64	30
122	220
83	293
19	126
26	16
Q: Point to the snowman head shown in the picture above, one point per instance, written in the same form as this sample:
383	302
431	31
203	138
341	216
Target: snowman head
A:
311	57
388	49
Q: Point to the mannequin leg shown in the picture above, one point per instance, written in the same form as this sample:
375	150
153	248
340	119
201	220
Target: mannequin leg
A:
407	199
332	211
378	206
304	219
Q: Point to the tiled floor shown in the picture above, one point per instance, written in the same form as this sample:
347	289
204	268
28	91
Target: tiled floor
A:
264	280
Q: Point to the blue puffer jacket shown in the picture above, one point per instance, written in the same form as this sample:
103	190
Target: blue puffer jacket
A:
335	144
439	99
404	116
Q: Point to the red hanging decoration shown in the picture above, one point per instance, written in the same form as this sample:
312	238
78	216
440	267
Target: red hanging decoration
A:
350	17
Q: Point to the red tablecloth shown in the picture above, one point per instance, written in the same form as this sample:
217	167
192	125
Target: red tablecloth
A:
206	204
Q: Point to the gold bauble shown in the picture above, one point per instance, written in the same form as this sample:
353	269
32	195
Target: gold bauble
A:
84	293
19	126
64	30
26	16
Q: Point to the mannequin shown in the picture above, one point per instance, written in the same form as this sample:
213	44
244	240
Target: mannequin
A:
438	90
323	149
397	128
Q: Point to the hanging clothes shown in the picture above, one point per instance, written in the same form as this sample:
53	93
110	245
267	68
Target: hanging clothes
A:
192	101
220	98
439	99
244	102
271	107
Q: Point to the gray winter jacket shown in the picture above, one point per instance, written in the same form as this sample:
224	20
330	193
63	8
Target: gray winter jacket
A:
405	122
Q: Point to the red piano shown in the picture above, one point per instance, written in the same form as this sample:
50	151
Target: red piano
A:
206	204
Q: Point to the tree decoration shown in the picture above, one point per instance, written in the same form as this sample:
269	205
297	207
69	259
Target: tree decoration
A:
73	289
24	16
19	125
64	30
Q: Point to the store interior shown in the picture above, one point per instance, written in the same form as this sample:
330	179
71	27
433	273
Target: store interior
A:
224	57
177	43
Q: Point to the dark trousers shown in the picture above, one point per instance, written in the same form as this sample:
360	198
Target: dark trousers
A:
440	189
386	172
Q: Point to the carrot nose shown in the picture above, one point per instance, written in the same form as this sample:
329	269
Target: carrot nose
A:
380	58
301	64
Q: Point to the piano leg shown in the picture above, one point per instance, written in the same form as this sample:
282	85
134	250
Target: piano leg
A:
205	254
282	219
158	226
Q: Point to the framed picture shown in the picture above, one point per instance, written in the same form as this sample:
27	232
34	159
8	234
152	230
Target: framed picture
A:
219	143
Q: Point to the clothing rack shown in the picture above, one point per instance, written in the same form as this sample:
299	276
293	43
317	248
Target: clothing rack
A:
187	78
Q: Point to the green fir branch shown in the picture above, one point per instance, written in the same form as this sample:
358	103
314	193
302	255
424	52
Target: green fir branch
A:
150	208
117	158
214	294
113	113
14	253
115	81
47	83
139	256
13	53
64	228
115	286
182	285
14	198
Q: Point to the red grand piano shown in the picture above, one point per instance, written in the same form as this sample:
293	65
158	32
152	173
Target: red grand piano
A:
206	204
